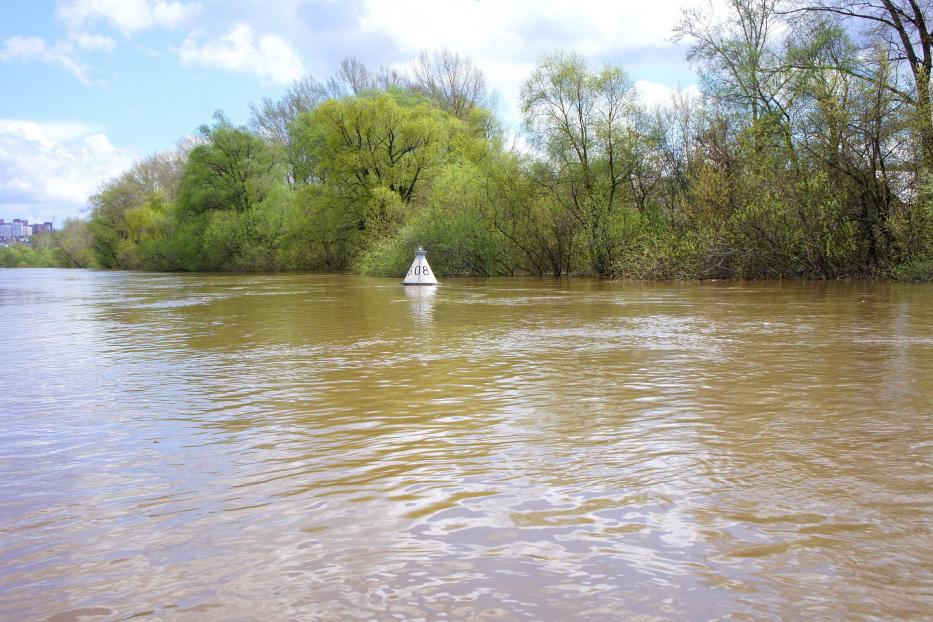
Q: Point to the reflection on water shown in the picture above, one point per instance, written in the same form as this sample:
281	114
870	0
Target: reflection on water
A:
422	301
330	447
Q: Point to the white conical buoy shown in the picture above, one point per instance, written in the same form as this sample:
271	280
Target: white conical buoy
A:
420	272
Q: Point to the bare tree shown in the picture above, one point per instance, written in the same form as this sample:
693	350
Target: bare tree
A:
271	118
451	81
355	78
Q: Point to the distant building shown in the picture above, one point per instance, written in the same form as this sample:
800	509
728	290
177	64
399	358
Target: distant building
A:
20	230
41	228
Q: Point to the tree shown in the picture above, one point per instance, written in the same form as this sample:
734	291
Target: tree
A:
579	120
800	192
372	154
355	78
539	229
733	51
679	126
232	169
234	201
157	177
272	120
451	81
73	245
905	30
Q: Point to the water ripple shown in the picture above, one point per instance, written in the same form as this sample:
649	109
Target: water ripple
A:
325	447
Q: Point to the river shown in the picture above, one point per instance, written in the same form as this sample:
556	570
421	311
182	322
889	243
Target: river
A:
307	447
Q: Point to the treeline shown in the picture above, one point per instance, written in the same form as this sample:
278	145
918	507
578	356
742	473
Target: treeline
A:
809	155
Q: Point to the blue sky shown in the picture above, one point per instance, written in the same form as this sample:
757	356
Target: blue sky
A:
89	86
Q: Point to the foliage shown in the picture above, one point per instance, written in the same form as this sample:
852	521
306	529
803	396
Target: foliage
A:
375	159
584	123
25	256
231	170
131	209
805	157
456	226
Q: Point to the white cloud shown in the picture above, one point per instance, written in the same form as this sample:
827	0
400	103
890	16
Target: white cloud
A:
475	26
506	39
35	48
127	16
268	56
656	94
54	167
88	41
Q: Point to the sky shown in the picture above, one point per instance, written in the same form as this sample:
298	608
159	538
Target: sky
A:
87	87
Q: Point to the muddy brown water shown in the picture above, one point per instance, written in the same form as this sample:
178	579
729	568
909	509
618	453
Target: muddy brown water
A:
305	447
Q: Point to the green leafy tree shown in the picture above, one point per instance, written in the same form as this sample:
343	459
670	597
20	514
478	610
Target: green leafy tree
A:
372	159
153	179
579	120
73	245
234	198
232	169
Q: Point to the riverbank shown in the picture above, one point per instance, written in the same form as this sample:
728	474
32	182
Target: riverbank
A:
916	272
